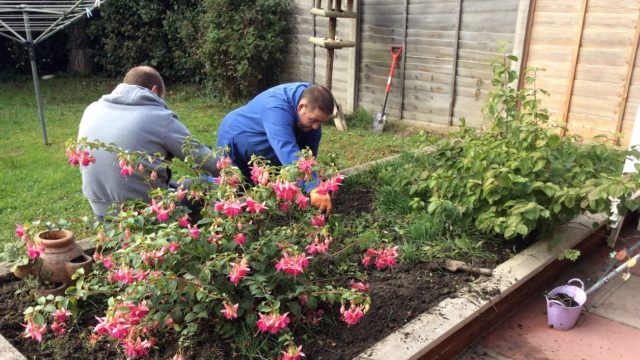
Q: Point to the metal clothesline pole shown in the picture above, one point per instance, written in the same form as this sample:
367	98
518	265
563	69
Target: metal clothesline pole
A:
36	81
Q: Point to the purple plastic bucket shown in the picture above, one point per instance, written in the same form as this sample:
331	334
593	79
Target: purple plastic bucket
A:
560	316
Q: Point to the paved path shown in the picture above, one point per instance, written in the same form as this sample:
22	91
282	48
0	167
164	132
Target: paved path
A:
608	329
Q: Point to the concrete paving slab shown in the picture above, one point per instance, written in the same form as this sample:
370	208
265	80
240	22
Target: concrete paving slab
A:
618	301
526	335
8	352
479	352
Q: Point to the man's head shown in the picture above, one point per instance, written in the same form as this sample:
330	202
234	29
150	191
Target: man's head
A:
315	107
147	77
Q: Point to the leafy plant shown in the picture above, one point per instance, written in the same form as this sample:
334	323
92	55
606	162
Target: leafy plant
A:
519	175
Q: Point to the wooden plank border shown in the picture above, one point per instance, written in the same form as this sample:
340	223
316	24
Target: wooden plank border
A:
574	65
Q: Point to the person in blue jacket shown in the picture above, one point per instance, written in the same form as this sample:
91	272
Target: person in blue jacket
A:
276	125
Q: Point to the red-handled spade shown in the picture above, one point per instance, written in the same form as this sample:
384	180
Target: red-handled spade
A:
380	118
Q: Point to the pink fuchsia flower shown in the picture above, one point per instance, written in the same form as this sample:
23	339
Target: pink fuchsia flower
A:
181	193
353	315
86	158
293	265
272	323
61	315
240	239
286	190
259	175
103	326
318	221
136	348
154	175
73	157
255	207
366	260
302	201
360	286
107	262
232	208
20	230
34	251
163	215
219	206
230	311
319	247
284	207
293	353
306	165
386	257
183	222
140	168
194	231
330	185
239	271
31	330
224	163
125	168
232	180
58	328
174	246
127	234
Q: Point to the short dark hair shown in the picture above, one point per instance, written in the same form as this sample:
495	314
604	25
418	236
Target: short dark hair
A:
319	96
144	76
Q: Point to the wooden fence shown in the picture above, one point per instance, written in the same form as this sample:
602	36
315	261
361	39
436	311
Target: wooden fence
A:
588	48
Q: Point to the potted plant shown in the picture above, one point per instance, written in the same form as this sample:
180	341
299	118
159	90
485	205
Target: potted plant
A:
50	254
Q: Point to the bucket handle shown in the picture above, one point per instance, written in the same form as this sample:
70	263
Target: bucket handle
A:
556	302
576	280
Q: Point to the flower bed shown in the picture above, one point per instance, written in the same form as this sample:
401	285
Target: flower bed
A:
398	296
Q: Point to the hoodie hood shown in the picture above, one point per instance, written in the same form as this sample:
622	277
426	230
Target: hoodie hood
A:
126	94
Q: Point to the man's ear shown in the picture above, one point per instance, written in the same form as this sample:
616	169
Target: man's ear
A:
301	105
156	90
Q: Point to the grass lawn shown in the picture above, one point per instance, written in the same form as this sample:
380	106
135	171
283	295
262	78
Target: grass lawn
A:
36	182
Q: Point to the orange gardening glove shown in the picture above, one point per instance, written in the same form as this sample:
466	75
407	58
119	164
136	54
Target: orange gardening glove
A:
322	202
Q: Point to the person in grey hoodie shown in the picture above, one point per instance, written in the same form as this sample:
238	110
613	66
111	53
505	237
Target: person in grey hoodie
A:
134	117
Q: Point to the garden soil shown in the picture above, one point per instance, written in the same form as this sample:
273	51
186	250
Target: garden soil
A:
398	295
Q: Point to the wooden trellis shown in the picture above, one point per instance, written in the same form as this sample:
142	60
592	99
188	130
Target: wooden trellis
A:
333	11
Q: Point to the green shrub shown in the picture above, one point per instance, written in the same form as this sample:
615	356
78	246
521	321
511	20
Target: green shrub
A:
162	34
243	45
519	175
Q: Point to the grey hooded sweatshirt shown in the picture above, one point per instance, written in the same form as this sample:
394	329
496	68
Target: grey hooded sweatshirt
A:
135	119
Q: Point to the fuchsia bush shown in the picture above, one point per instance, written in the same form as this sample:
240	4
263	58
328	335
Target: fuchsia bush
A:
257	264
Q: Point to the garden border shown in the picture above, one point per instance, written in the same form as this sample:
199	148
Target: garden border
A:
432	335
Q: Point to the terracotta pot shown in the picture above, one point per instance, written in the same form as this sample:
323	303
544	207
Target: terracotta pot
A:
61	258
21	271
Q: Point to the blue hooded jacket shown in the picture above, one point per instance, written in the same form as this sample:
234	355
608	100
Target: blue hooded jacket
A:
267	126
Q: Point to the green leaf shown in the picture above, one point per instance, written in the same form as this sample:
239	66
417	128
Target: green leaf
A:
38	319
554	140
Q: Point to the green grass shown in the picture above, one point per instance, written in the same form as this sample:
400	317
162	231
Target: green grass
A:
36	182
